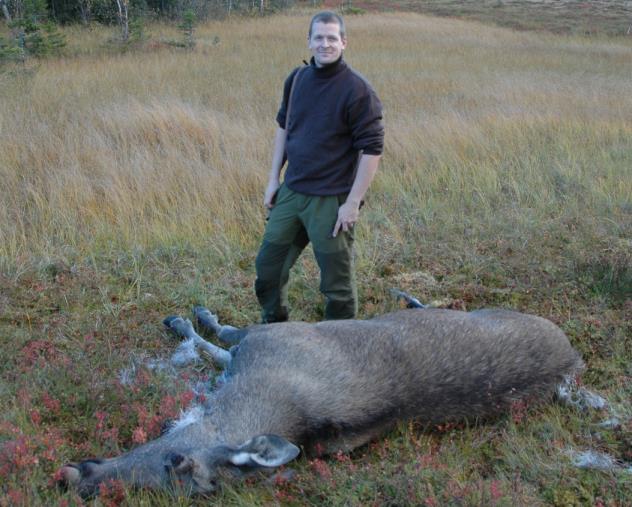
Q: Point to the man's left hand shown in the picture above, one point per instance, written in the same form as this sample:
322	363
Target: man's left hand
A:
347	217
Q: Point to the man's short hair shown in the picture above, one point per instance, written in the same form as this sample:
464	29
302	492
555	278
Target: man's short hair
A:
328	17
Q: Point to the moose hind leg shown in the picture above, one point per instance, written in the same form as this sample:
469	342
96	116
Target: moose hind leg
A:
411	302
208	320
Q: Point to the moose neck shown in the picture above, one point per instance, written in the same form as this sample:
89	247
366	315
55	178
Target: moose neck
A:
241	412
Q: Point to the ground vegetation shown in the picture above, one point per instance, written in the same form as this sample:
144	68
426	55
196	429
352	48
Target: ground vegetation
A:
132	188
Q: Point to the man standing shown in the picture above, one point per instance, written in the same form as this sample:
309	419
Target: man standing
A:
333	138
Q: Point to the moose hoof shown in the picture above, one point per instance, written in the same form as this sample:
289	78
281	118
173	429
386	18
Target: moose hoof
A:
206	318
178	325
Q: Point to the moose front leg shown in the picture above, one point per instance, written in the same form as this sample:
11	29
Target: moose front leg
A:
186	352
208	320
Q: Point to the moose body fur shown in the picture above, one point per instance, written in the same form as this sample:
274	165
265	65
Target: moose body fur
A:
335	385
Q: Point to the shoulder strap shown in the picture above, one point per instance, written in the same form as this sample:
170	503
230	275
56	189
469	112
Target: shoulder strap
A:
289	100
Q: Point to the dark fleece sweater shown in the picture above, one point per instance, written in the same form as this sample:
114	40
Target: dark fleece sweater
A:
335	116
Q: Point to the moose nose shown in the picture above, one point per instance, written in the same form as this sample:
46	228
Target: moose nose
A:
68	475
175	458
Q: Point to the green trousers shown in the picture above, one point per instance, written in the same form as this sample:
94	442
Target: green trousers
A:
295	220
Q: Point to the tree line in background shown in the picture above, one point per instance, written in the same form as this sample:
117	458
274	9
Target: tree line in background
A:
109	11
33	24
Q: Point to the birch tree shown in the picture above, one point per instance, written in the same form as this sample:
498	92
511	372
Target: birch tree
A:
5	11
123	15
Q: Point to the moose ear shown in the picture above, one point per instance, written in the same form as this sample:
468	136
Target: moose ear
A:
265	451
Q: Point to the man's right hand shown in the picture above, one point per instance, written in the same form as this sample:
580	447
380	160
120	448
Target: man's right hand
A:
270	196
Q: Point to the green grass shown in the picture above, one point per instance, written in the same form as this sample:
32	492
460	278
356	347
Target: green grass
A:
132	189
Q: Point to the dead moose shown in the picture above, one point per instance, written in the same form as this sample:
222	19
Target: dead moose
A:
334	386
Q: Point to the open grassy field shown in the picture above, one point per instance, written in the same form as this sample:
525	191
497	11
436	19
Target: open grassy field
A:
132	188
594	18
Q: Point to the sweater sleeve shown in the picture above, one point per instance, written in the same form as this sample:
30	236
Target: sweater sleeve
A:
367	127
287	86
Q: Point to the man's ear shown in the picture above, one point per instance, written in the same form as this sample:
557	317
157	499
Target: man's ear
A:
265	451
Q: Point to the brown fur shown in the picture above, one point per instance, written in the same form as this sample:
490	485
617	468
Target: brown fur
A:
339	384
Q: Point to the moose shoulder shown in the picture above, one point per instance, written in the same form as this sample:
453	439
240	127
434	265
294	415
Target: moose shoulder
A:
338	384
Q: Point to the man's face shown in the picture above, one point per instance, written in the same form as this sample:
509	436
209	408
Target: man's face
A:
325	43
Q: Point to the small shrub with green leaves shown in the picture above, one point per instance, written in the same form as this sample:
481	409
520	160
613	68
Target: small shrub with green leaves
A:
32	38
137	32
186	28
10	51
45	40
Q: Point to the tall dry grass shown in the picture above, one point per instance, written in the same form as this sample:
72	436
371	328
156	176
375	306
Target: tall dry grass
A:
485	127
131	188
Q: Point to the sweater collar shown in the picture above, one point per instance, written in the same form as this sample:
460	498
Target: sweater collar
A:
328	70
